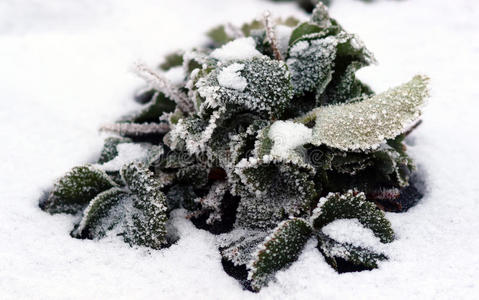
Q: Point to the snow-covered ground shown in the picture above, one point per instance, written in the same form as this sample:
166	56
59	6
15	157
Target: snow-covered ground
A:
64	72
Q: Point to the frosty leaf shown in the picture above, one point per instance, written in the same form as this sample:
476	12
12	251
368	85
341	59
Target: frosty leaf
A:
239	245
271	191
195	175
366	124
109	150
349	206
75	189
311	64
347	257
146	224
267	89
280	248
102	214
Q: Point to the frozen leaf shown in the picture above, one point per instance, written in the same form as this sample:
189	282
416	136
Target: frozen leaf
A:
279	249
103	213
146	224
349	206
366	124
75	189
345	257
109	150
271	191
311	64
267	89
239	245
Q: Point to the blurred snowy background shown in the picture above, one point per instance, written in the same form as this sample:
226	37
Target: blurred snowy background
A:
64	72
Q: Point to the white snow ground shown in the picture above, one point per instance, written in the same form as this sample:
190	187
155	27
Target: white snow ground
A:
63	72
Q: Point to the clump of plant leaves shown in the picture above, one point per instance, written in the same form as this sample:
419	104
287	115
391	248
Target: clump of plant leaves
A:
267	138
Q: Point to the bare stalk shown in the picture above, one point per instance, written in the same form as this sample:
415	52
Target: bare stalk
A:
271	36
159	82
132	129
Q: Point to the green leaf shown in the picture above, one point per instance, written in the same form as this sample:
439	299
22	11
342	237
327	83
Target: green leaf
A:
75	189
267	88
272	191
174	59
349	206
311	64
366	124
109	150
219	36
102	214
303	29
334	252
280	248
146	224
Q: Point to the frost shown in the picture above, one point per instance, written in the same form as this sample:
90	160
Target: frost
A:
176	75
352	205
351	231
239	49
75	189
230	77
268	88
127	152
311	64
279	249
283	34
286	136
366	124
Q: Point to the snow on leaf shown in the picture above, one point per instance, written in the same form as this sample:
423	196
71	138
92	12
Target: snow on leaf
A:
279	249
286	136
352	205
366	124
230	77
239	49
268	88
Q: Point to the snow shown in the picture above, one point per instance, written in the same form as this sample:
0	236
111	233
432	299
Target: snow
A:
352	232
65	72
230	77
239	49
127	152
286	136
176	75
283	34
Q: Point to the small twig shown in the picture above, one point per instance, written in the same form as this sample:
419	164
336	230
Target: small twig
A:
132	129
270	33
412	127
159	82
